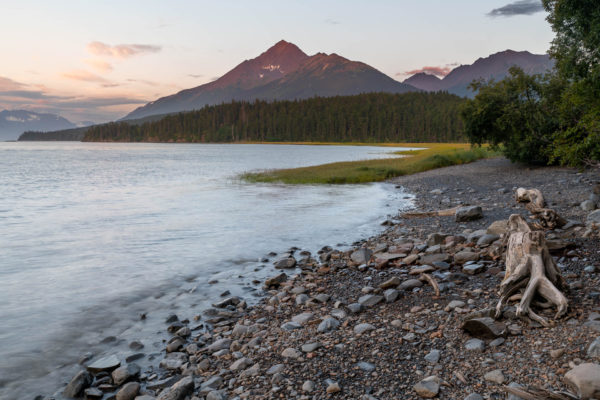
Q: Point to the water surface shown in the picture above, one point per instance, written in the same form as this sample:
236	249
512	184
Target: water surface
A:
93	235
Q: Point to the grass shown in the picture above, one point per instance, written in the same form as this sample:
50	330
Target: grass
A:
434	155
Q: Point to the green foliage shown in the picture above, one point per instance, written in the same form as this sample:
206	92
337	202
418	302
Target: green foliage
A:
517	114
435	156
366	118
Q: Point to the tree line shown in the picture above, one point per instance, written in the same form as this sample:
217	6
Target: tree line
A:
369	118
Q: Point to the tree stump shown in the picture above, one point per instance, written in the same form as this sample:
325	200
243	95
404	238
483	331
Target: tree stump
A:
529	265
533	196
535	203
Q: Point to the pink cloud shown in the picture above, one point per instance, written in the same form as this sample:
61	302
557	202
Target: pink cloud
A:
8	84
438	71
83	75
121	50
99	65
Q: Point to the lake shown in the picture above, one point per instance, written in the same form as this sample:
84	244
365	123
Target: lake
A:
93	235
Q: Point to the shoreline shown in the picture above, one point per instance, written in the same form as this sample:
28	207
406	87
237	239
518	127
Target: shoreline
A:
308	338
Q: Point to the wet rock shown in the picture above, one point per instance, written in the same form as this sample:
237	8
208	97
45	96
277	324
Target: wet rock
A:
328	324
361	256
369	300
104	364
174	361
175	344
128	391
470	213
80	381
585	379
428	388
276	281
93	393
486	328
136	345
125	373
230	301
285	263
178	391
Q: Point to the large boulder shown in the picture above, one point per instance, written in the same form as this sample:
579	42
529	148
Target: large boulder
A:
470	213
75	388
585	379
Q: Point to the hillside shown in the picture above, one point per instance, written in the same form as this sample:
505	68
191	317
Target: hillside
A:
373	117
14	122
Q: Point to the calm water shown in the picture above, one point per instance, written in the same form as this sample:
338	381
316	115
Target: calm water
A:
92	235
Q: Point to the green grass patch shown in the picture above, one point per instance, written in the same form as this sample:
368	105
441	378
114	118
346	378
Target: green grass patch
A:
433	156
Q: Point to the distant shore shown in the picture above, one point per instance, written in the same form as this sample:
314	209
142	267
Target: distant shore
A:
357	324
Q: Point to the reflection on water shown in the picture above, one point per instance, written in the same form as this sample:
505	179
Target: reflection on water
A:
93	235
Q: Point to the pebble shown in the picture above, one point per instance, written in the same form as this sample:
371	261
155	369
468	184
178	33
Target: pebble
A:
433	357
308	386
495	376
475	345
333	387
428	387
130	390
328	324
362	328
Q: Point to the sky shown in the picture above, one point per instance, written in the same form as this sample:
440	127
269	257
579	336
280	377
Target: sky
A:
98	60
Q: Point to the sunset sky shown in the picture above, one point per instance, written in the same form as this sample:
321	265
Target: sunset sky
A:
96	61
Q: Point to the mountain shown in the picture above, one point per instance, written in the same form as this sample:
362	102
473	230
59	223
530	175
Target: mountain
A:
283	72
493	67
423	81
14	122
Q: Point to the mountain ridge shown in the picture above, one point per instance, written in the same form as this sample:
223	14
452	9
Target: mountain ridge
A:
14	122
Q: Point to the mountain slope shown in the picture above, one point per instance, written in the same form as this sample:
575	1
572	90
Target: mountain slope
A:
423	81
15	122
283	72
495	67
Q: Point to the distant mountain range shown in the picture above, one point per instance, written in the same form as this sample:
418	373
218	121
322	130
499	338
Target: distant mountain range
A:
283	72
494	67
14	122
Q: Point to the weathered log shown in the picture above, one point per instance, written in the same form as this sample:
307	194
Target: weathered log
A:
529	265
437	213
533	196
431	280
548	218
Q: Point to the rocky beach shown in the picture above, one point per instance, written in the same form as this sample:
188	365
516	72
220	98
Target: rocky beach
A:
405	314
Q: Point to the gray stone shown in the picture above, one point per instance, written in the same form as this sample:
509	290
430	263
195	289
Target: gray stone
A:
593	350
173	361
487	239
474	396
290	326
240	364
328	324
178	391
252	371
585	379
338	313
588	205
365	366
513	396
464	256
276	369
308	386
302	299
290	352
369	300
391	295
362	328
333	387
433	357
216	395
129	391
495	376
473	269
486	328
361	256
104	364
473	237
310	347
221	344
410	284
212	383
428	387
499	227
125	373
590	269
80	381
455	304
322	298
93	393
593	218
435	238
276	280
470	213
355	308
475	345
429	259
390	283
303	318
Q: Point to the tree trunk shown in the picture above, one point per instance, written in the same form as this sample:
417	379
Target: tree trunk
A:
530	265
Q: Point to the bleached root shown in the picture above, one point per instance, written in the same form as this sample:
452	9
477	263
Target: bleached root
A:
533	196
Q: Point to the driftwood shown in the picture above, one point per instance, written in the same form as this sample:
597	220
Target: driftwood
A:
431	280
533	196
548	218
438	213
530	265
537	393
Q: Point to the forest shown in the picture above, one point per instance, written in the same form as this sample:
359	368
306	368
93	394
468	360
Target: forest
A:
365	118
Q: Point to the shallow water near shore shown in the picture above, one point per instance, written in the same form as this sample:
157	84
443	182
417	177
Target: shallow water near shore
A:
94	235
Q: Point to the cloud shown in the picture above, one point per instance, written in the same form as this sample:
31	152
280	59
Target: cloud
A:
99	65
438	71
520	7
144	81
121	50
332	21
83	75
9	84
195	75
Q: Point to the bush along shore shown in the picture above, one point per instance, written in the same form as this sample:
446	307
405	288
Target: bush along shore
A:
406	314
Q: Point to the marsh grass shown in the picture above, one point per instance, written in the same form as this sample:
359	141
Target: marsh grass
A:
433	155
